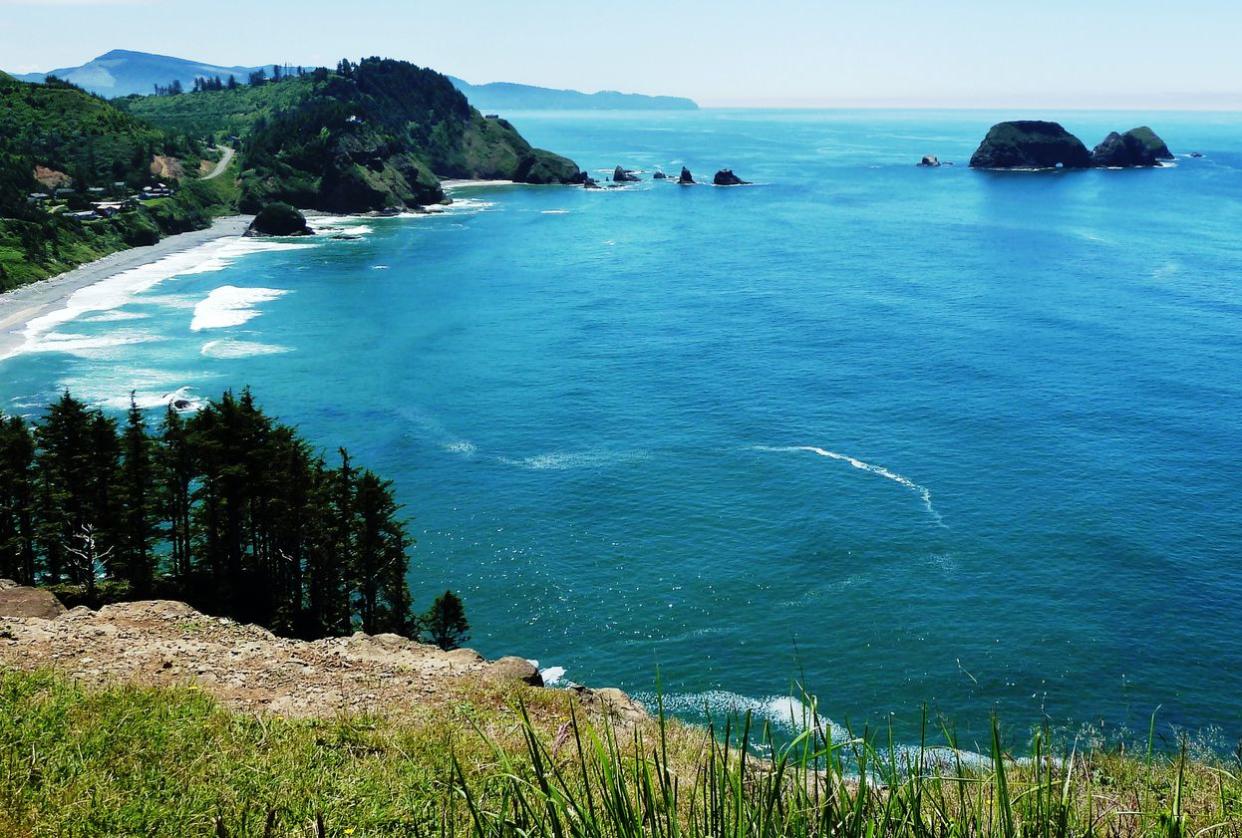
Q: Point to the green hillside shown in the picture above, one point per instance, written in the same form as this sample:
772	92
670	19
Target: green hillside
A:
73	140
365	136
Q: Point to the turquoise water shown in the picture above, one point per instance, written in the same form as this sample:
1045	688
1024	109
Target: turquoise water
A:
912	435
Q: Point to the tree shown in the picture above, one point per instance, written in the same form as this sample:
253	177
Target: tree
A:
136	490
17	544
445	622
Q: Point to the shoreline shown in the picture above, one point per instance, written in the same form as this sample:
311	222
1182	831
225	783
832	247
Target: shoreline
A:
21	305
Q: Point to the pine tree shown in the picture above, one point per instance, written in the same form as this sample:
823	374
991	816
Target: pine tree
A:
136	564
445	623
17	549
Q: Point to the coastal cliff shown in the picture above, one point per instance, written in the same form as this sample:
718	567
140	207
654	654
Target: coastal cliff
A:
246	667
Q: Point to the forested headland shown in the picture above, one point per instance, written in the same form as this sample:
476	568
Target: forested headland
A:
226	509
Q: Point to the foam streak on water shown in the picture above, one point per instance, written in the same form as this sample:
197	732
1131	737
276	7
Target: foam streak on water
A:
900	479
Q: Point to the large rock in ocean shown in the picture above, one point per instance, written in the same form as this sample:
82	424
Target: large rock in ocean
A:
685	177
279	219
1030	144
620	175
1136	147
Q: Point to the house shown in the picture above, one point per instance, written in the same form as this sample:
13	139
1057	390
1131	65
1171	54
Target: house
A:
96	190
37	198
84	215
65	192
107	209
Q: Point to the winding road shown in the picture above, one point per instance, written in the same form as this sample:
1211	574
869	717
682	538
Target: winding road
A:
222	164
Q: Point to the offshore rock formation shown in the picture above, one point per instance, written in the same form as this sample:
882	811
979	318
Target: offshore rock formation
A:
686	177
930	160
1030	144
278	219
725	177
659	175
621	175
1138	147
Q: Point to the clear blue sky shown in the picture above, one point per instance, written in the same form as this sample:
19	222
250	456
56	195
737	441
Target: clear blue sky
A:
1063	53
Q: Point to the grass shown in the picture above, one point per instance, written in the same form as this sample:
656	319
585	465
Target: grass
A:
509	762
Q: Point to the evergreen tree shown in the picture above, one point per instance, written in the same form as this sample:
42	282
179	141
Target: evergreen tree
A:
17	548
445	623
136	564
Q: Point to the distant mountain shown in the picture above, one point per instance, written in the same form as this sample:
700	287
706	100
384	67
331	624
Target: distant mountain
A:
123	72
502	96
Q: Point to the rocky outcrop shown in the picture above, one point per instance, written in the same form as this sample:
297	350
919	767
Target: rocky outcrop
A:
686	177
1138	147
620	175
1030	144
166	643
516	670
16	601
930	161
725	177
279	219
659	175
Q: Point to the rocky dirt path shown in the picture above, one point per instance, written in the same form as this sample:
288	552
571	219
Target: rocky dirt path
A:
247	667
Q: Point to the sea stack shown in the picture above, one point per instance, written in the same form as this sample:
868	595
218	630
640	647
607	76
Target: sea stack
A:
620	175
1138	147
278	219
725	177
659	175
930	161
1030	144
686	177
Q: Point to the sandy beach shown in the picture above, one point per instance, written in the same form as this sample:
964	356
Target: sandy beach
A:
21	305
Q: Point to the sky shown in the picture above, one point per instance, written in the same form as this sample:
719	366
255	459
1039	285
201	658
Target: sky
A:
943	53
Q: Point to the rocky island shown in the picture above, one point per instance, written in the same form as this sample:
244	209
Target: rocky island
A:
1138	147
1030	144
1034	144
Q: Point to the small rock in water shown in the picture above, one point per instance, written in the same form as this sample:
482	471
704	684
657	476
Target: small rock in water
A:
621	175
659	176
930	160
725	177
686	177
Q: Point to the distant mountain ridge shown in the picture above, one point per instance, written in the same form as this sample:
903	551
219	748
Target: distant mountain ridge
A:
126	72
500	96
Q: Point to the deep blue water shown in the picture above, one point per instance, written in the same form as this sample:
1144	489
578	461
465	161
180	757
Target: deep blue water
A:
601	407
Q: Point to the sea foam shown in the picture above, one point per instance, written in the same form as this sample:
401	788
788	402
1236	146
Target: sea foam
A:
880	471
229	305
122	288
240	349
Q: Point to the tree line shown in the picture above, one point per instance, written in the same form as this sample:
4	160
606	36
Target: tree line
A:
226	509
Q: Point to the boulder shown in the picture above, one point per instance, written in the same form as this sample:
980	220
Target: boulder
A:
515	669
279	219
725	177
1196	154
620	175
19	601
659	176
1030	144
614	702
930	160
1138	147
686	177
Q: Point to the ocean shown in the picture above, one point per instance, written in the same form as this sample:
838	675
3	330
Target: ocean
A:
896	436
